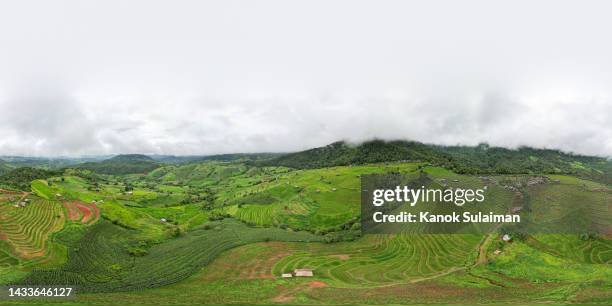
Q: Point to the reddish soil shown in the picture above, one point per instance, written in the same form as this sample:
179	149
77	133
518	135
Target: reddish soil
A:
73	211
316	284
97	213
289	295
33	254
341	256
3	237
283	298
86	213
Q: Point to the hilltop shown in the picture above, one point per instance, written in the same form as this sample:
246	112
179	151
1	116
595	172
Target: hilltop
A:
172	159
122	164
130	158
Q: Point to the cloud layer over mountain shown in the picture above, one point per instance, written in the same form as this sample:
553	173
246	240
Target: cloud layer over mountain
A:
196	77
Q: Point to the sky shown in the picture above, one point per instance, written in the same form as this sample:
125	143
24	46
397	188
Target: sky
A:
205	77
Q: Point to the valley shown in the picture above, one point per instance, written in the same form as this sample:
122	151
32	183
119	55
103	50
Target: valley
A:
226	231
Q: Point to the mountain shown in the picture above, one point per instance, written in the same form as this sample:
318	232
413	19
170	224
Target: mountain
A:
341	153
172	159
47	162
481	159
122	164
131	158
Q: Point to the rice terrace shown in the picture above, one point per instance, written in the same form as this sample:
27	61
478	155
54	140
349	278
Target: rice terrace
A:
285	229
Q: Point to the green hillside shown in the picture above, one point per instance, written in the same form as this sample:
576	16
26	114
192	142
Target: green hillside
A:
224	231
480	159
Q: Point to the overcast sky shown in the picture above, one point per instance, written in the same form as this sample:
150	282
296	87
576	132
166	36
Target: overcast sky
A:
202	77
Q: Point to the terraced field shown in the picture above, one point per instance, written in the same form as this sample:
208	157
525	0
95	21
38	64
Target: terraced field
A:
378	260
593	251
373	261
144	243
82	212
578	201
27	229
319	199
100	261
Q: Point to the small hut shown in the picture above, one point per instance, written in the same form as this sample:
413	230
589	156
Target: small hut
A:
303	273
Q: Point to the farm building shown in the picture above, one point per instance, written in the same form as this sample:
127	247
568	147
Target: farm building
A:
286	275
303	273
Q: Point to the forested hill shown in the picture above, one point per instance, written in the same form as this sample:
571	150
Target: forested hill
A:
4	167
122	164
130	158
21	178
171	159
462	159
341	153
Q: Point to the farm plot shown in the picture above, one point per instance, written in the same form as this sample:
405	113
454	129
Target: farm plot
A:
370	262
320	199
100	262
378	260
577	203
81	212
27	229
593	250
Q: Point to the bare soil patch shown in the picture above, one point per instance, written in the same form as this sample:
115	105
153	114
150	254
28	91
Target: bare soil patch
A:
341	256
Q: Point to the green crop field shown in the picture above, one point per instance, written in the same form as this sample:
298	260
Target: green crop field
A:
223	232
26	230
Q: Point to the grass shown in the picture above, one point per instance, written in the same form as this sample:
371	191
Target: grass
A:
381	260
135	258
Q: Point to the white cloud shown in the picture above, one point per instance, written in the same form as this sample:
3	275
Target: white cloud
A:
89	77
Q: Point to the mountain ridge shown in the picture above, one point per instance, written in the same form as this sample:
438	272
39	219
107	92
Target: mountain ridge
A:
480	159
